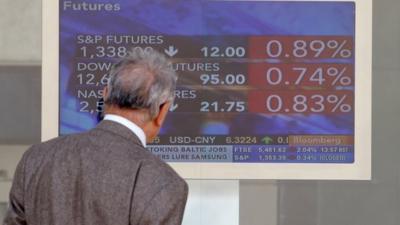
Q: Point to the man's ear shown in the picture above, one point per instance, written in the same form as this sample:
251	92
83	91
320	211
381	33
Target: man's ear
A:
164	108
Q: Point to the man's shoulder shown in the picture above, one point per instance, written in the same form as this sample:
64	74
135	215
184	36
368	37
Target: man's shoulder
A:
56	141
157	167
157	173
150	164
51	144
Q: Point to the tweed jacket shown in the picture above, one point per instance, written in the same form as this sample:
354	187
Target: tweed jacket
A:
102	177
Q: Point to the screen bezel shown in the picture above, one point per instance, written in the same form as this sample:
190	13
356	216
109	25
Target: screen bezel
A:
359	170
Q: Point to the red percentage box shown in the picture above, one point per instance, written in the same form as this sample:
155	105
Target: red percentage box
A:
301	47
288	102
301	75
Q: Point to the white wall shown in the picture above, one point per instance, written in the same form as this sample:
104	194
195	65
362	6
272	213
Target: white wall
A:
20	31
375	202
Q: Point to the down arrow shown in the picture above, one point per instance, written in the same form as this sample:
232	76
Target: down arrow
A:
171	51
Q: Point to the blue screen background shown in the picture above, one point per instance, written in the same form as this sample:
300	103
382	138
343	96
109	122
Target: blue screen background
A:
188	17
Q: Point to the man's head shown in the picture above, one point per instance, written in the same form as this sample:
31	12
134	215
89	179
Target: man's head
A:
141	89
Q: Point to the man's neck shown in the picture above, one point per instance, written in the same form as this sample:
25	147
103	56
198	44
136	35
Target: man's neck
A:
138	117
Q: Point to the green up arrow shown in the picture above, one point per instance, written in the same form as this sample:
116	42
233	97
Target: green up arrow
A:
267	140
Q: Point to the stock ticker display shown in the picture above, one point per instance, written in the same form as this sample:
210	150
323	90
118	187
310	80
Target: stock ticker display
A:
259	81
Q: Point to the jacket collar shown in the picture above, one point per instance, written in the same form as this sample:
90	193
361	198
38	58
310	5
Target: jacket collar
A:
118	129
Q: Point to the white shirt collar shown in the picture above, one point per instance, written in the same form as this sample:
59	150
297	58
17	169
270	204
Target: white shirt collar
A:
129	124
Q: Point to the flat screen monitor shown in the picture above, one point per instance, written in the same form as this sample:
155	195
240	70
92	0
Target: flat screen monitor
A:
266	89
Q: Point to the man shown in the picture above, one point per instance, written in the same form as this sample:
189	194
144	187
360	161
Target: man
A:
106	176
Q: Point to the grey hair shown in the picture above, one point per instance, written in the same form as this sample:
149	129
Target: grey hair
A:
141	80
